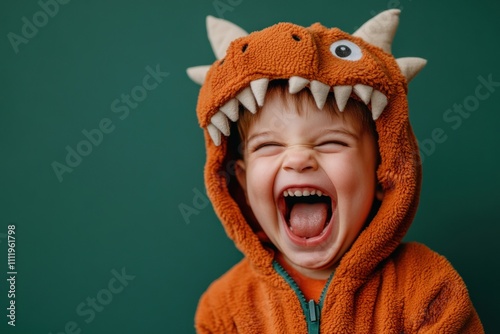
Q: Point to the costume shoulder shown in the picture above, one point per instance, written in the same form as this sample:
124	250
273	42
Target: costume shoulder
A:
214	313
246	300
436	299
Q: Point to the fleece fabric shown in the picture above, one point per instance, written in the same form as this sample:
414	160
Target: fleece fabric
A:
381	284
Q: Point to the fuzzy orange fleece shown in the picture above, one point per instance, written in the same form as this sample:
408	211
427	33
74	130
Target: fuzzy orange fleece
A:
381	285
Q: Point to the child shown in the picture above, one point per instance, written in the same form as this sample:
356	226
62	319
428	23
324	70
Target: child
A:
314	171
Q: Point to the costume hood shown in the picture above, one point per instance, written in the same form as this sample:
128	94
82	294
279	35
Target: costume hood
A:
309	58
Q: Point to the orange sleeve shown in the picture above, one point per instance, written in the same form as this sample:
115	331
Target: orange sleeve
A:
436	299
206	319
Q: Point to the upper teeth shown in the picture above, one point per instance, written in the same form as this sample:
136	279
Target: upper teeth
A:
299	193
256	94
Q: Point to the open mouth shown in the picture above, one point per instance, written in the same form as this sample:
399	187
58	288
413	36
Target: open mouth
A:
307	211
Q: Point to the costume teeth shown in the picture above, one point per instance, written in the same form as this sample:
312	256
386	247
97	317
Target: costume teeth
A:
296	84
364	92
320	92
221	122
259	89
214	133
230	109
379	102
342	94
247	100
256	94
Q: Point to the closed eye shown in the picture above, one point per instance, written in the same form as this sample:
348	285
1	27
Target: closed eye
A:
331	146
333	142
265	146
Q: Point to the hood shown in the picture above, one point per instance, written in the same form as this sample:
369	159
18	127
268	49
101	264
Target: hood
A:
305	56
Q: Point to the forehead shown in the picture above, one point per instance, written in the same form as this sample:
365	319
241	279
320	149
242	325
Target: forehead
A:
281	109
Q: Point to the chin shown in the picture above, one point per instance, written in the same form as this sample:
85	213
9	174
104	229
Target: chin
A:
313	261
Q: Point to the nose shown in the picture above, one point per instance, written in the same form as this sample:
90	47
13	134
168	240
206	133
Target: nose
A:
300	160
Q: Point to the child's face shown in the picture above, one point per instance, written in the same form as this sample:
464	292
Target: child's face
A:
315	151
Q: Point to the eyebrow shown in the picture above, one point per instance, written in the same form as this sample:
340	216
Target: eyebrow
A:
259	134
341	131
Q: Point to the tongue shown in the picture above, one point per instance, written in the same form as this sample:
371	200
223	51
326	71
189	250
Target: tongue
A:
308	220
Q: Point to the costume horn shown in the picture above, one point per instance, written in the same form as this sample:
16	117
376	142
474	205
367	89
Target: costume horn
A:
221	33
380	29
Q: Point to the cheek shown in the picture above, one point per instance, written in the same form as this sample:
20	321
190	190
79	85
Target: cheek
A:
354	180
260	181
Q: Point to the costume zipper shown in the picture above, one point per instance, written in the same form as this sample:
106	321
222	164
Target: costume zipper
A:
312	311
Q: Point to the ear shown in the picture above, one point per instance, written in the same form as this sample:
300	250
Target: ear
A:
241	174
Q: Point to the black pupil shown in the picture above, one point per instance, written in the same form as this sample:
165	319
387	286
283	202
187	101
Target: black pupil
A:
342	51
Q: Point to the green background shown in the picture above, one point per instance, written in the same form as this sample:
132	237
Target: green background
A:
119	208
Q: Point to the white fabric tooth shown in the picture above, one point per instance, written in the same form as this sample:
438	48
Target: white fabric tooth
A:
296	84
221	122
230	109
259	89
342	94
379	101
320	92
215	134
364	92
198	73
410	66
247	100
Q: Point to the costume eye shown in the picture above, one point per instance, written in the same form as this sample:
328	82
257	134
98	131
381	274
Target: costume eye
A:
346	50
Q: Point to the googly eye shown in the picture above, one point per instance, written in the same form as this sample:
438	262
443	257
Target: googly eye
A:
346	50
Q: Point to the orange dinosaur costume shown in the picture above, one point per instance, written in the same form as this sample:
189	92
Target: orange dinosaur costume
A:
381	285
